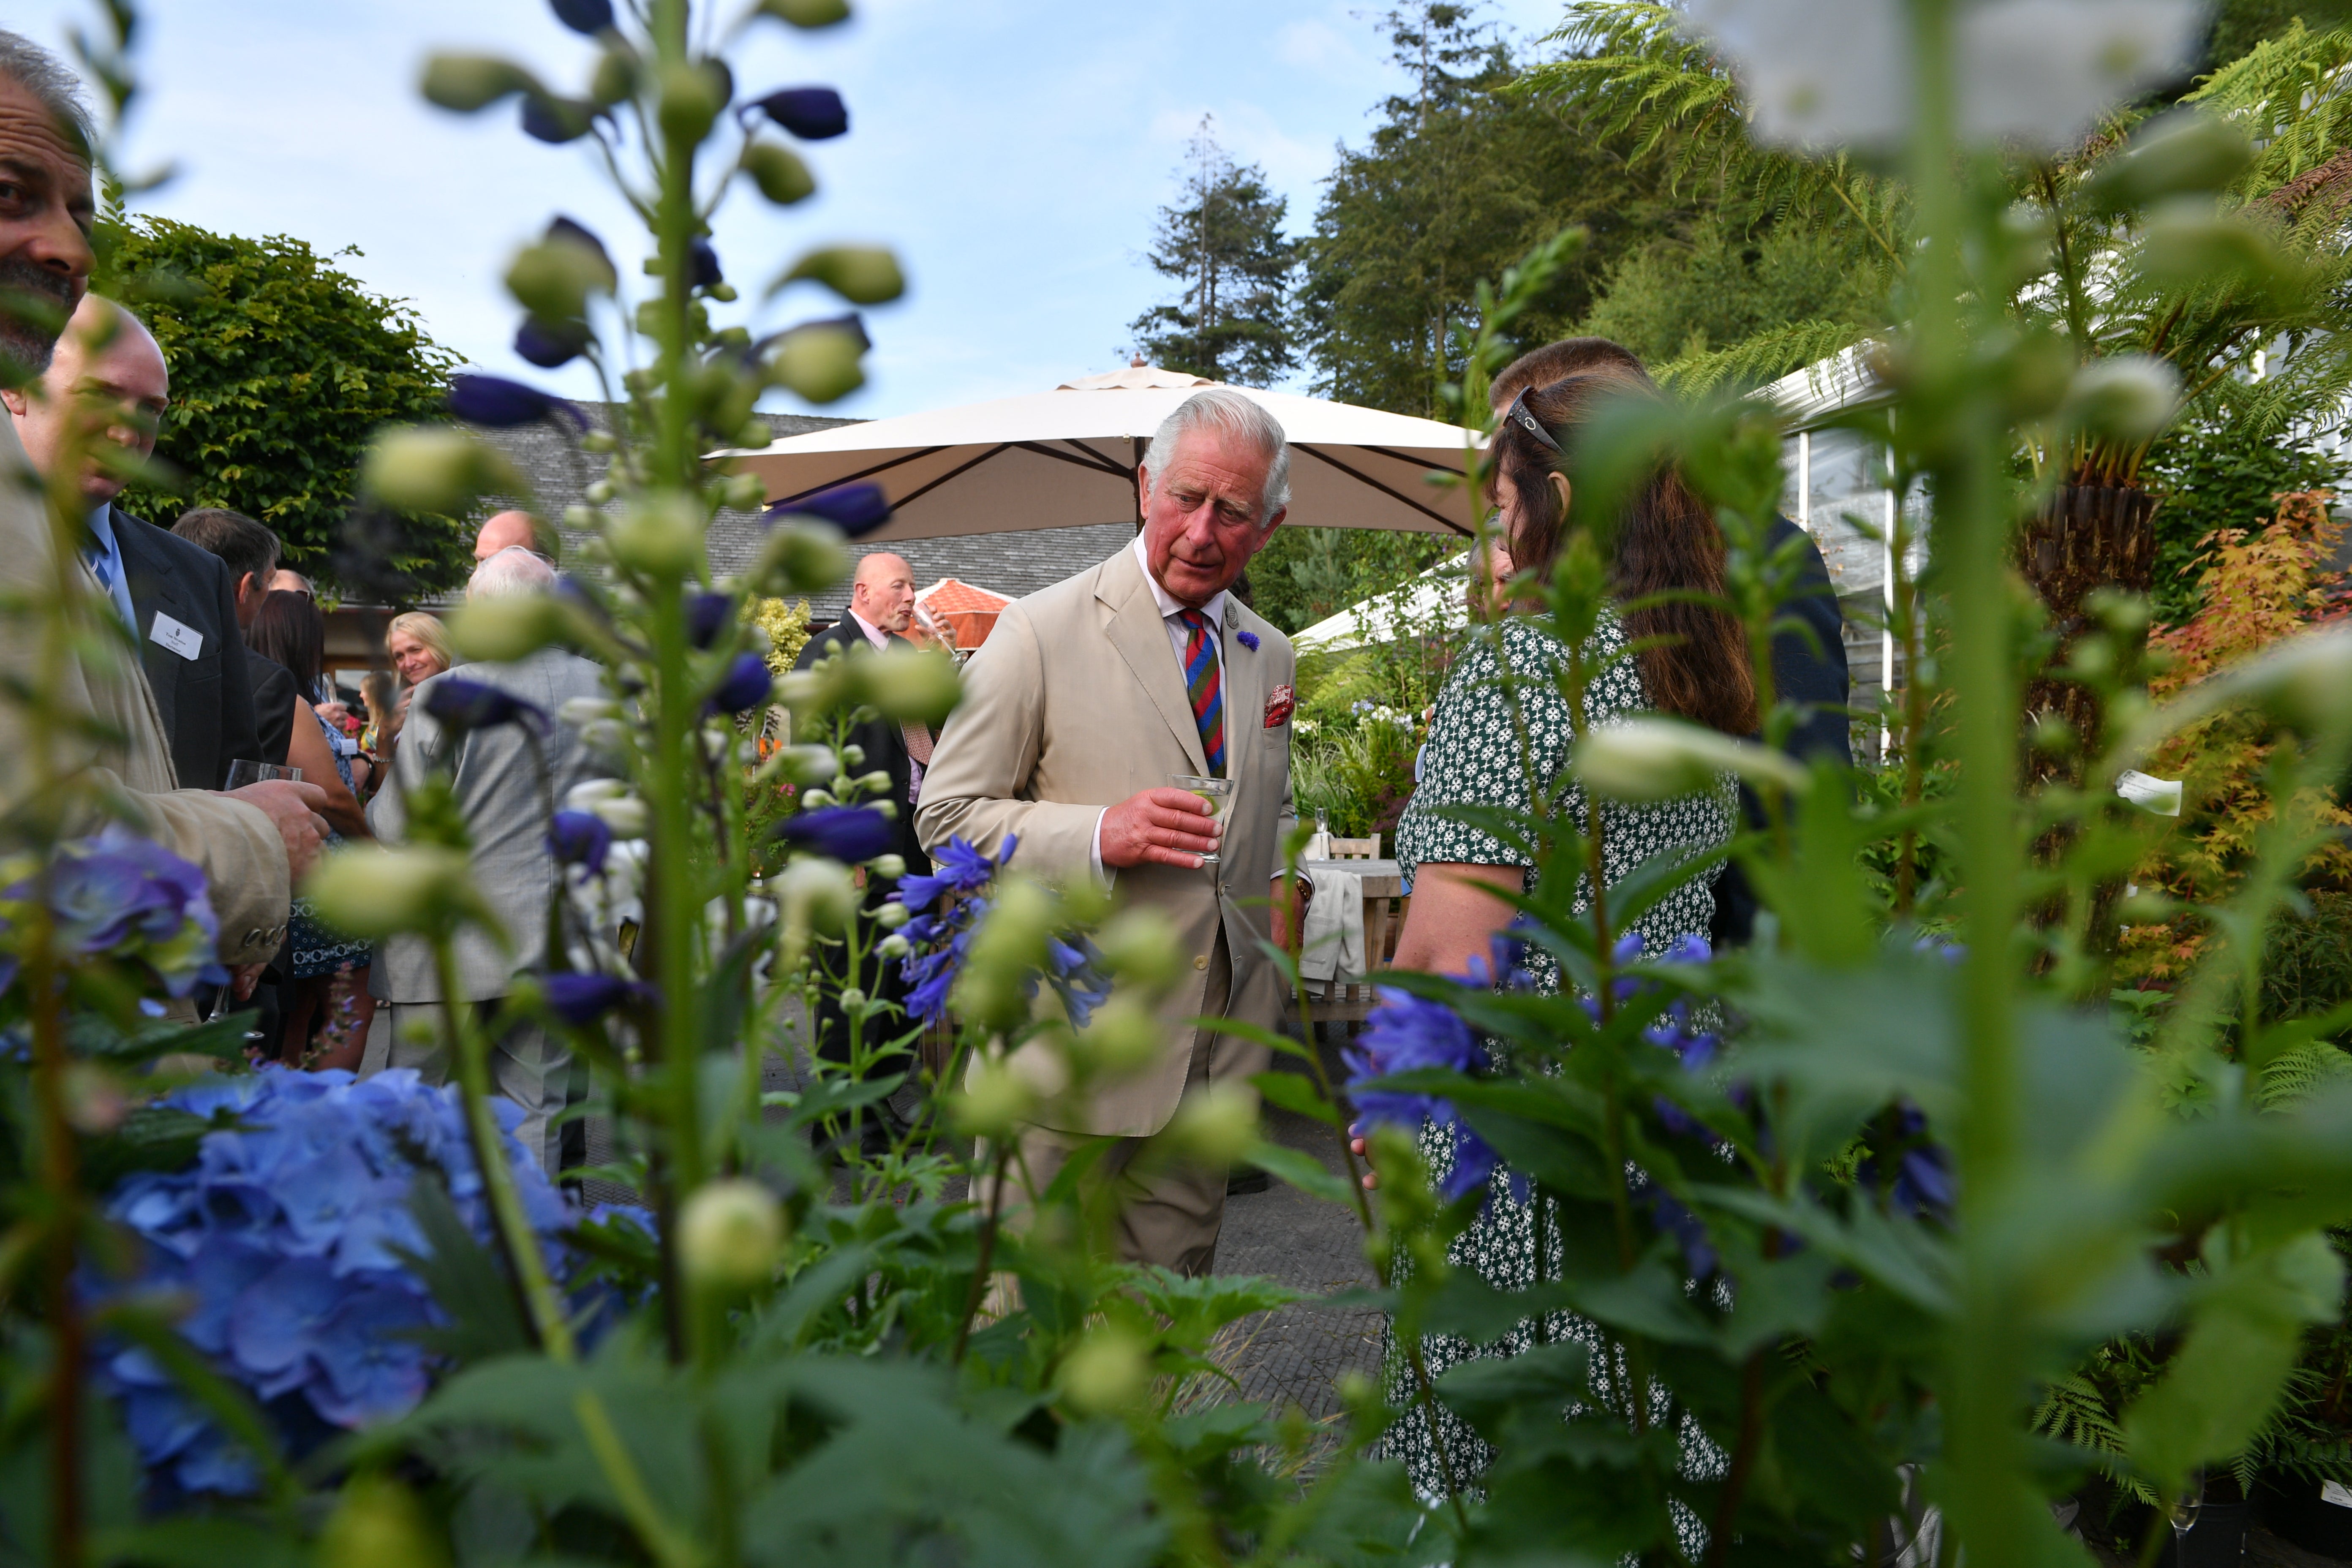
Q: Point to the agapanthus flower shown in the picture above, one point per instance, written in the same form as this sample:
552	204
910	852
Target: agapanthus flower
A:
464	704
286	1235
126	896
810	113
702	268
854	508
706	615
582	999
551	343
749	682
1403	1034
848	834
580	838
1247	640
589	16
501	404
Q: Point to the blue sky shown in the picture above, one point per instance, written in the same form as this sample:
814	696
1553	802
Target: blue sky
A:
1013	153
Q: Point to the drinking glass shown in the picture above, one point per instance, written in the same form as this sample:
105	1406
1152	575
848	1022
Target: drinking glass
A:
1218	792
244	772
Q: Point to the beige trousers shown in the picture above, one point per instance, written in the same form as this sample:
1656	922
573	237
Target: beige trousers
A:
1167	1210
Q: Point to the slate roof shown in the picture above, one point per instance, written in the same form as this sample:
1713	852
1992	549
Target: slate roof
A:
1014	565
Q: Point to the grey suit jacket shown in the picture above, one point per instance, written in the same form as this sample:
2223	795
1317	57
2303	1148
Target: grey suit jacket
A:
1077	702
207	700
507	780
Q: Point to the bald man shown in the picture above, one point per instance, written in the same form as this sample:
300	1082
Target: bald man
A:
513	530
178	600
881	602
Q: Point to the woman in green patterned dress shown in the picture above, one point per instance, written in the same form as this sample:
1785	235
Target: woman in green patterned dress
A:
1501	738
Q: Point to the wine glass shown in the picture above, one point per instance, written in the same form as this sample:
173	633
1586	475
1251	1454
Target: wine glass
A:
244	770
1217	792
2182	1515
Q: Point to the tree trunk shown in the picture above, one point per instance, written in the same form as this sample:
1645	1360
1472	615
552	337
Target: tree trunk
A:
2087	537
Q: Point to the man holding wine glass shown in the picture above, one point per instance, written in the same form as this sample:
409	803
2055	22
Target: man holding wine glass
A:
1082	712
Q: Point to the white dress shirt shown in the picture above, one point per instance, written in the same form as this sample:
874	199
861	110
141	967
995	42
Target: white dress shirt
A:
1179	635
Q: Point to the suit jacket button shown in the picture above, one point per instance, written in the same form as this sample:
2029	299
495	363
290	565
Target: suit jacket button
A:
1202	961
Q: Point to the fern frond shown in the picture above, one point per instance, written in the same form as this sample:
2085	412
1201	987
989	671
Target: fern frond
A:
1765	357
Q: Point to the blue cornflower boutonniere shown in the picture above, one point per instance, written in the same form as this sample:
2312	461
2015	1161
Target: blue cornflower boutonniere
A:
1248	640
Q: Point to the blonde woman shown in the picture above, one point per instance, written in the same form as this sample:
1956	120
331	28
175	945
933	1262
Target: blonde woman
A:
419	645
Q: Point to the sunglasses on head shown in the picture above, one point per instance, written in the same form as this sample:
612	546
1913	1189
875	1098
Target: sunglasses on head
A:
1517	415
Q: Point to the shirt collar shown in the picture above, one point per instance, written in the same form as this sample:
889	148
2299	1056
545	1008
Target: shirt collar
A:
875	635
1171	606
100	523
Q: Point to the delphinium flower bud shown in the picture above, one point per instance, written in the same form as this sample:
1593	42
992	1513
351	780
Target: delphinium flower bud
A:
1106	1372
863	275
731	1235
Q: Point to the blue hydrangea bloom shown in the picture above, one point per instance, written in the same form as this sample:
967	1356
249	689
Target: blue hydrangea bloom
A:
120	895
286	1236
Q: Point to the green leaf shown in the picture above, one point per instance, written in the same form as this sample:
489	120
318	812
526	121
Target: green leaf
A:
1290	1091
1301	1170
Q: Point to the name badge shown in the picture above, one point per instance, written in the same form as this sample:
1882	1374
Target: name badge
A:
183	640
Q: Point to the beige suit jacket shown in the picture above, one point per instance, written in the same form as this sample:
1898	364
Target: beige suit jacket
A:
123	762
1077	702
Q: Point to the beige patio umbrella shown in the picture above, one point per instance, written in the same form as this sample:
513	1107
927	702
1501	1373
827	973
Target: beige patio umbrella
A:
1067	457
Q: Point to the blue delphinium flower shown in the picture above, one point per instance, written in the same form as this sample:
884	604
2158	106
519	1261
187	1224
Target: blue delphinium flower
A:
120	895
702	264
1922	1187
589	16
495	401
286	1234
1404	1033
580	838
1247	640
706	615
944	905
749	682
1077	978
582	999
464	704
853	509
845	833
551	343
810	113
548	118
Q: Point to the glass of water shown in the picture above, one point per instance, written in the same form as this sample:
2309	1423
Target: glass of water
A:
1217	792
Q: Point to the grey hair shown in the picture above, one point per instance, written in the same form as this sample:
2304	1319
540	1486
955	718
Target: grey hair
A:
52	83
509	575
1224	409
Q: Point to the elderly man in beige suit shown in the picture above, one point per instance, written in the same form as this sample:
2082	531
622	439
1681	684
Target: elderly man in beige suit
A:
1084	702
250	844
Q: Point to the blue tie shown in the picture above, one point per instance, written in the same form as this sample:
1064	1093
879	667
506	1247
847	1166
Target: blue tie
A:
101	568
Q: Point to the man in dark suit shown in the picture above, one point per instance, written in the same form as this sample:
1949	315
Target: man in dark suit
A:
249	551
881	602
177	600
1808	659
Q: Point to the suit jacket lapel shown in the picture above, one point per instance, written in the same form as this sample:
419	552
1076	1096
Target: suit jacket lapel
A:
1142	639
153	588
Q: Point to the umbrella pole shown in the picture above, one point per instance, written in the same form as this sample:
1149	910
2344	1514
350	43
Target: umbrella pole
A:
1135	481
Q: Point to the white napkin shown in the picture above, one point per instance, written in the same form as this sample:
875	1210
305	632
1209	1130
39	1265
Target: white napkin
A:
1332	943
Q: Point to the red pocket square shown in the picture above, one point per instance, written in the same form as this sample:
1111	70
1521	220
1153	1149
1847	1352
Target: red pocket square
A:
1279	706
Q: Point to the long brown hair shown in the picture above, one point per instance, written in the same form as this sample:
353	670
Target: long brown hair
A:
1664	542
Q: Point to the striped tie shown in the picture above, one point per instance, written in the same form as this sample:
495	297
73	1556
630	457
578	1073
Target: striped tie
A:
1205	685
